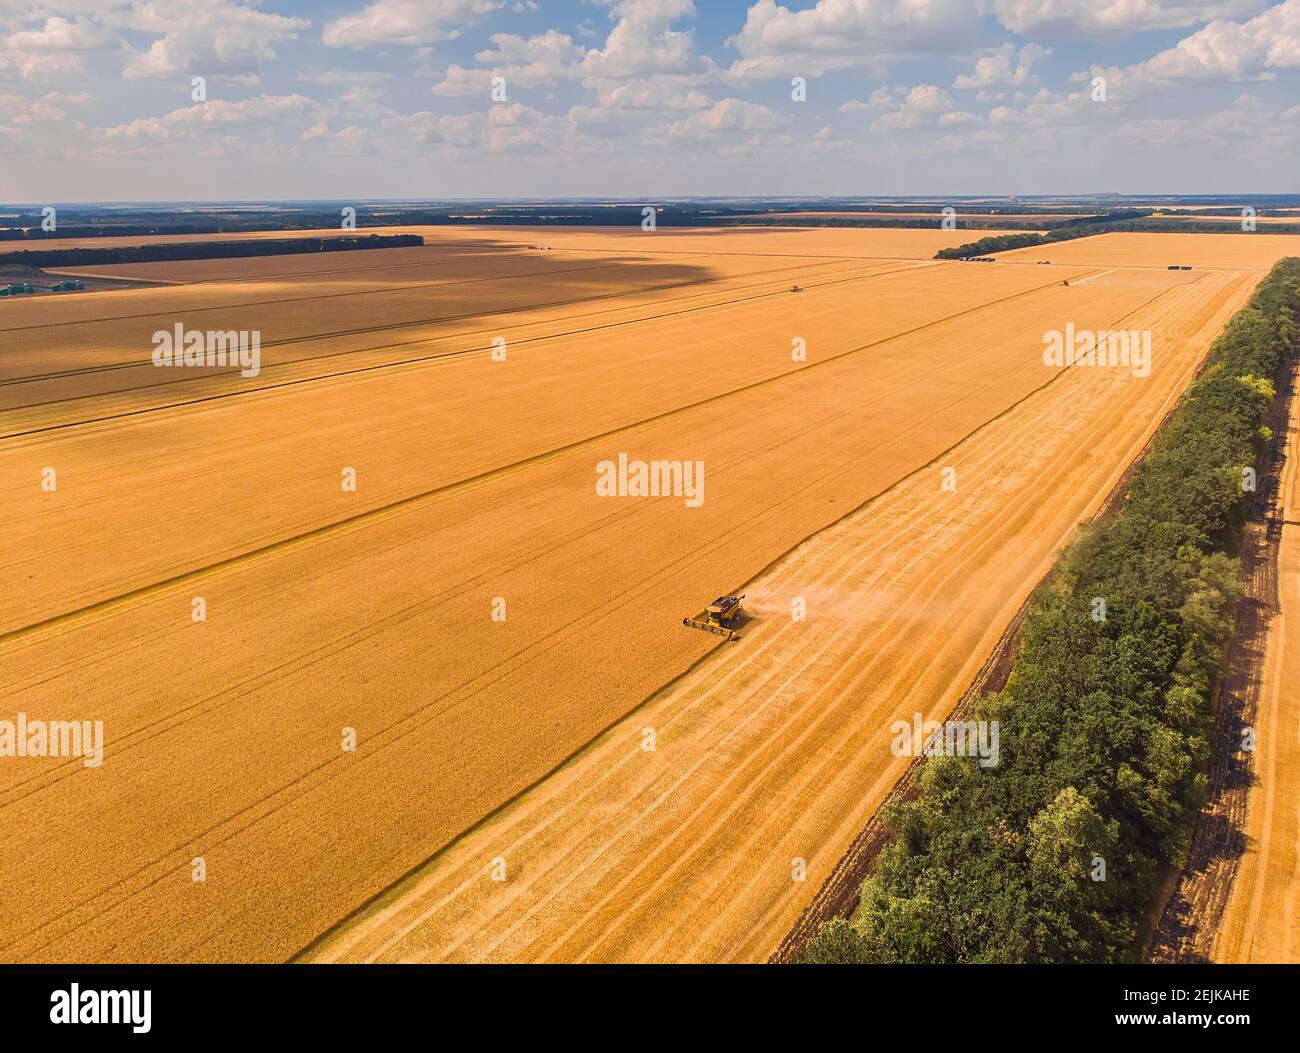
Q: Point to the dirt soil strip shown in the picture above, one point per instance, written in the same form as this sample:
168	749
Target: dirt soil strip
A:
839	894
1195	909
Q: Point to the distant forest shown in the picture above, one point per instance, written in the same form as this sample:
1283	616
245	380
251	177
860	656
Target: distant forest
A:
23	223
205	250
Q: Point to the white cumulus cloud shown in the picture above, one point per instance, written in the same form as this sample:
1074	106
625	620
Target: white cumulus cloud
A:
776	41
215	38
1222	52
1097	17
413	22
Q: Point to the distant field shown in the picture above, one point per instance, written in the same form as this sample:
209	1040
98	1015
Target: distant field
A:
1202	208
964	218
1214	251
1235	219
329	609
595	242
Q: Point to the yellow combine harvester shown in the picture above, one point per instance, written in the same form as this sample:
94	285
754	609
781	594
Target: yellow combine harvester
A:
719	617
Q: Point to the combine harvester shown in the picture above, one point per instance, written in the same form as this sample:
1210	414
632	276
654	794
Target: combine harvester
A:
719	617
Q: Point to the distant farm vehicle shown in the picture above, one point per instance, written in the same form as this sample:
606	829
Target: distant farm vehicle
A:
720	617
21	288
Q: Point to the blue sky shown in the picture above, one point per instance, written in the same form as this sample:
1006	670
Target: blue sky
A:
639	98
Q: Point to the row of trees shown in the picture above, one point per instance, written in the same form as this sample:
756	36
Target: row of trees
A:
1082	227
1105	723
205	250
964	221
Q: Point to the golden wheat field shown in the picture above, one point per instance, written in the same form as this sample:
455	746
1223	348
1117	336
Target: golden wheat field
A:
1251	252
412	720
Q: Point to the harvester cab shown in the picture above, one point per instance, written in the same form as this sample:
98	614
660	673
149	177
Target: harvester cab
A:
720	617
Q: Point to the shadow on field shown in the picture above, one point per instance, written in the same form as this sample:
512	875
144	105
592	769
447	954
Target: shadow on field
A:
52	349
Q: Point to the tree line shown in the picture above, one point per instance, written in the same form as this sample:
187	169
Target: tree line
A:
204	250
1083	227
